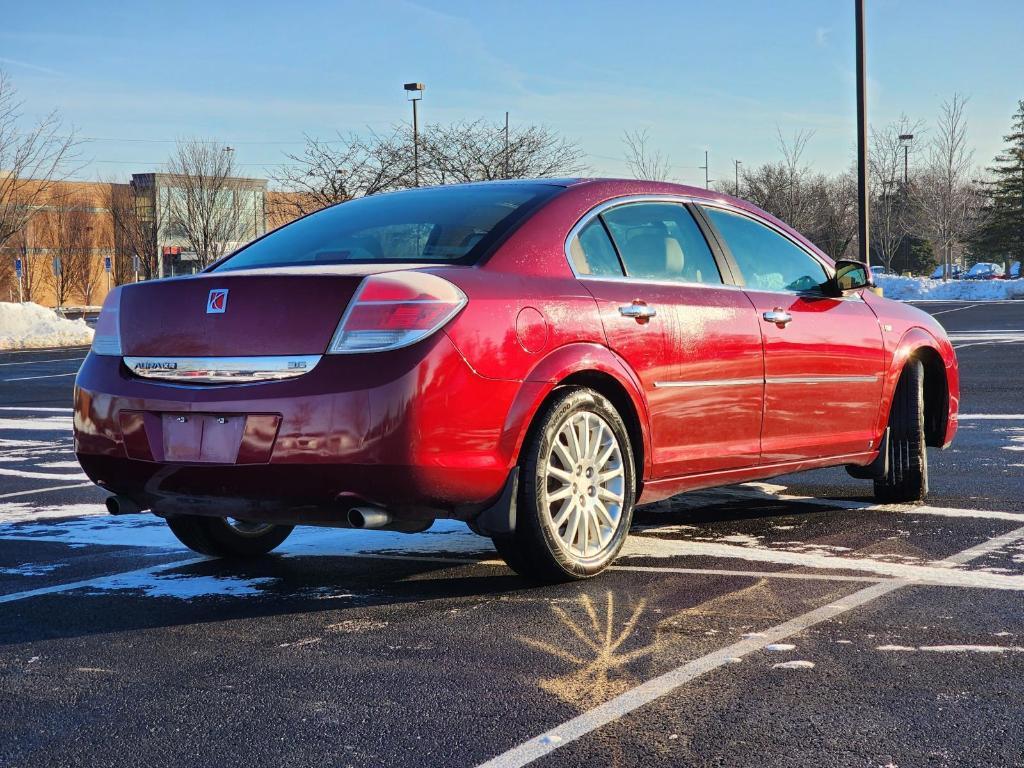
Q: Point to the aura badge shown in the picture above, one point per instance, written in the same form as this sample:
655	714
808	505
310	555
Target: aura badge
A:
217	301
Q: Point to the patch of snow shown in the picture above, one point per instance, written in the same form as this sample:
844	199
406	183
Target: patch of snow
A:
30	569
31	326
181	586
918	288
895	648
800	664
780	647
24	512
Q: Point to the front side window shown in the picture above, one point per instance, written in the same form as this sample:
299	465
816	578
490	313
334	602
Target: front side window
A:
437	224
767	260
661	241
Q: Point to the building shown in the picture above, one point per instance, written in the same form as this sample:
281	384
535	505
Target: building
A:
85	237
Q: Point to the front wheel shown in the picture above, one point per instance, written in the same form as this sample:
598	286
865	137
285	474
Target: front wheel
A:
226	536
576	495
907	476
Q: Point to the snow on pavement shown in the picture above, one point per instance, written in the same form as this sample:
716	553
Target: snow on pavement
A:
923	288
31	326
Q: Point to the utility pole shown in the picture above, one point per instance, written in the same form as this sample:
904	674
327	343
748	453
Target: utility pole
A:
506	144
415	91
863	218
737	163
707	181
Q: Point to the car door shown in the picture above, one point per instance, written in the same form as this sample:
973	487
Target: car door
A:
692	339
823	354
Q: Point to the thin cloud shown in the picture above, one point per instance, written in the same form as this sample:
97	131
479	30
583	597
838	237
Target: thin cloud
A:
821	36
33	67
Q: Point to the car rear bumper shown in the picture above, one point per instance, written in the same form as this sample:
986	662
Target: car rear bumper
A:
415	430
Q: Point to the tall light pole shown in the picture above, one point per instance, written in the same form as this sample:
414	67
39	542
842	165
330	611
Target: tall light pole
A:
414	92
905	139
863	218
738	163
506	145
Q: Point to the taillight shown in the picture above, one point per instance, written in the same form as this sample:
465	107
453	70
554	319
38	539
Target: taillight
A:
107	339
395	310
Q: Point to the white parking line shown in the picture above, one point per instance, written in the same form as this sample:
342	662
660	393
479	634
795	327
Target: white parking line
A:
748	574
34	491
32	408
33	378
658	687
990	416
38	362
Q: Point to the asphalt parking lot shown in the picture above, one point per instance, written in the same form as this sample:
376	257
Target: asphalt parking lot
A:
792	622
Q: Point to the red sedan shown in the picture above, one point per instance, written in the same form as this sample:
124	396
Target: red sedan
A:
531	357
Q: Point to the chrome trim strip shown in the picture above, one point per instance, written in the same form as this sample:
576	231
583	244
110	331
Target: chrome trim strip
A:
821	379
769	380
710	383
221	370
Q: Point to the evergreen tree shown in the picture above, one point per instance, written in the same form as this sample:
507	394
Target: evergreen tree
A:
1002	236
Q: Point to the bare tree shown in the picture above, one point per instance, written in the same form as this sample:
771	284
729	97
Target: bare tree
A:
19	246
891	219
335	170
478	151
202	203
783	188
834	214
32	160
946	200
645	162
134	234
68	233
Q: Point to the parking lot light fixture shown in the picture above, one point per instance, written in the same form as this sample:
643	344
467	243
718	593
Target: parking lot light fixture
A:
414	92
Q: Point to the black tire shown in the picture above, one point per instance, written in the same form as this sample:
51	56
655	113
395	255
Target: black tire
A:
907	477
535	550
216	537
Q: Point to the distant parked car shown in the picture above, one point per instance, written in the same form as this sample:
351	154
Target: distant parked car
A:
984	270
955	272
878	269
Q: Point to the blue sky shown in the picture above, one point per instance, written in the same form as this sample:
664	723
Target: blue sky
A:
696	75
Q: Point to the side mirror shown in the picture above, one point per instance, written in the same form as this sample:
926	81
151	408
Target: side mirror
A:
851	275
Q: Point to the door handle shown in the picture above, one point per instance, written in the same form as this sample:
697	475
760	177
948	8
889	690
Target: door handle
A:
639	311
778	316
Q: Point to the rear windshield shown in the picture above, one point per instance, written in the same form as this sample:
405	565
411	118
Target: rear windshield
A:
454	224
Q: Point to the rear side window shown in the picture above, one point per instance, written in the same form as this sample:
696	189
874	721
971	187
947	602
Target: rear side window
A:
767	260
593	253
454	224
661	241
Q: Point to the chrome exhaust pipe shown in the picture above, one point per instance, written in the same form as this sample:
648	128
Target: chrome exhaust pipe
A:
122	505
369	517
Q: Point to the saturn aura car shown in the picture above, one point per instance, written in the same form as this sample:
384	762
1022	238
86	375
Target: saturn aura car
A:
534	358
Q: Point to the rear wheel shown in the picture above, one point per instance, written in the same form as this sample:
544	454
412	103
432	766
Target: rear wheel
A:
576	494
907	475
226	536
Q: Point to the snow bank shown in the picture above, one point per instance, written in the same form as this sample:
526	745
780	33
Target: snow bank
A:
917	288
30	326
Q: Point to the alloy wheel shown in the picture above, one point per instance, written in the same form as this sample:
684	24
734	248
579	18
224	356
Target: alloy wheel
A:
584	486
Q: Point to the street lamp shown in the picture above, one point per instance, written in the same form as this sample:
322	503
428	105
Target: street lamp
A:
414	92
905	139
